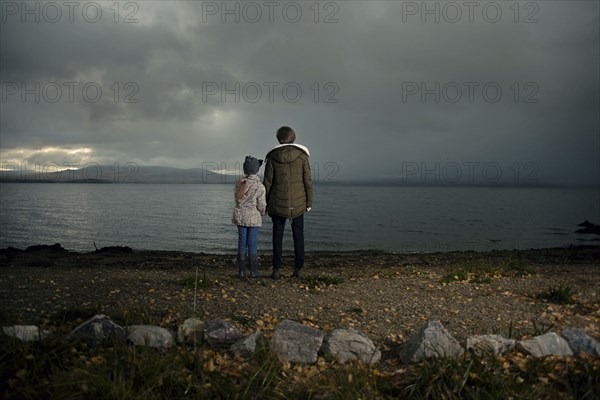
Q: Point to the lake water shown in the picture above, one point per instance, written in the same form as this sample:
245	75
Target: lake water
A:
197	218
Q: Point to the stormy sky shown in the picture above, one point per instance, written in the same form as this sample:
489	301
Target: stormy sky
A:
447	91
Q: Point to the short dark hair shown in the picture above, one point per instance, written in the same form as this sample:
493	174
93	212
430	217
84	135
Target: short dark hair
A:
285	134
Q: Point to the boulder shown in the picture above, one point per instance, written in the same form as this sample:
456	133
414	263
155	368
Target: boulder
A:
548	344
149	335
432	340
96	329
343	345
247	346
495	344
219	333
53	248
25	333
190	332
588	227
294	342
581	342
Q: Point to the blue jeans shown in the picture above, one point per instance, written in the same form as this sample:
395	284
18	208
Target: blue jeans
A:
247	236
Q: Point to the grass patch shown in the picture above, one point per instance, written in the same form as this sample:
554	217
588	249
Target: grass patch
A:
55	368
450	378
467	275
502	377
190	282
482	280
322	280
514	267
415	271
457	276
356	310
58	369
512	332
346	382
483	272
559	294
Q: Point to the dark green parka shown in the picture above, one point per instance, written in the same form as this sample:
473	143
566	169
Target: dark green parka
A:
288	181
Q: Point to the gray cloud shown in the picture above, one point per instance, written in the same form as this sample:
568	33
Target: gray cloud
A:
366	61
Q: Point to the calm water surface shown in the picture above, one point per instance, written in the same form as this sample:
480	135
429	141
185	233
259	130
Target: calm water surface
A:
198	217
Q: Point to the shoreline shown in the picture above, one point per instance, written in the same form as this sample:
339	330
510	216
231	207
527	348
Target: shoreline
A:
57	248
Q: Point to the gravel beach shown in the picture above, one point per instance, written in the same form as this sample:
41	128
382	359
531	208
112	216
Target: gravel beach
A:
387	296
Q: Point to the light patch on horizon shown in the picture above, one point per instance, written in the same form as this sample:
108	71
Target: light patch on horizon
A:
228	172
28	158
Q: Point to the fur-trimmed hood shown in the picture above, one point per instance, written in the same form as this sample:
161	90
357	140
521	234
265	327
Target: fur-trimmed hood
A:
301	147
286	153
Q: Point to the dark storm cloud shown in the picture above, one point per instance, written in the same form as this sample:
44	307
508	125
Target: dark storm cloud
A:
368	62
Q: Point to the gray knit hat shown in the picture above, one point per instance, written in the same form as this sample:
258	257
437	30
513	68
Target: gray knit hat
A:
252	165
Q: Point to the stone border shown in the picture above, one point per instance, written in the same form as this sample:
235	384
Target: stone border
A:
296	343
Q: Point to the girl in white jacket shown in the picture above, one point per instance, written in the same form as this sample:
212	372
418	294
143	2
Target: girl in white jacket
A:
250	206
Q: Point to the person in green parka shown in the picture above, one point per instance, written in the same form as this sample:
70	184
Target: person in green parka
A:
289	193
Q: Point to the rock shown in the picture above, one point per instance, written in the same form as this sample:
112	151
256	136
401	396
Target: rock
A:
495	344
96	329
149	335
219	333
54	248
548	344
345	345
588	227
294	342
581	342
190	332
25	333
247	346
432	340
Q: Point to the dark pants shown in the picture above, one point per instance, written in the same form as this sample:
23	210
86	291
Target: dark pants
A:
298	234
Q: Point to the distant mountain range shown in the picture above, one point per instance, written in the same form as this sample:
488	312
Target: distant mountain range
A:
128	173
132	173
